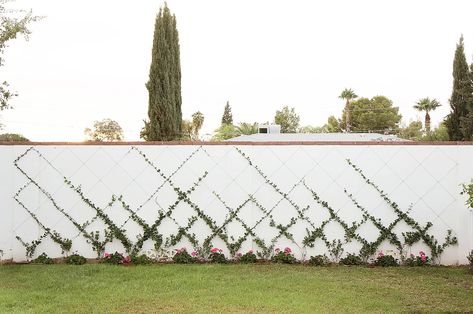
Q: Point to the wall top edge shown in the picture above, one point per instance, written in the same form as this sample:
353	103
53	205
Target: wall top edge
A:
142	143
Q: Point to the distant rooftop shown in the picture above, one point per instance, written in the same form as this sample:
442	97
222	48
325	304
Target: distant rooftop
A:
316	137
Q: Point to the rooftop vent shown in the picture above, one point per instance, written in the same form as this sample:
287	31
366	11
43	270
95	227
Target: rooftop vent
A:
269	129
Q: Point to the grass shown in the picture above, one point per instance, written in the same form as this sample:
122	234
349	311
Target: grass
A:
102	288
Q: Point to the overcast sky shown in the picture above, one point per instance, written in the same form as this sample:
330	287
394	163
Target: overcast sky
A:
88	60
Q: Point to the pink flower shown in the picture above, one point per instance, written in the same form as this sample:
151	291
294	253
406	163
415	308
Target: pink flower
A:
421	253
277	250
287	250
423	258
239	254
380	254
126	260
181	250
214	250
250	252
107	255
194	253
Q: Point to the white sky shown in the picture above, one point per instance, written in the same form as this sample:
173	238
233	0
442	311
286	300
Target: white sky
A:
89	60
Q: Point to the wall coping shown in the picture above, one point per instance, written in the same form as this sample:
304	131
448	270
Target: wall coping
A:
244	143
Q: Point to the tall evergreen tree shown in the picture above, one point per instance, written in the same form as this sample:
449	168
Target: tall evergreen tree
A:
164	85
462	94
466	122
227	117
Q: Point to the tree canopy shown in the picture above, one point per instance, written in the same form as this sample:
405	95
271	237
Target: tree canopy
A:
11	137
333	125
414	132
247	128
312	129
106	130
372	115
225	132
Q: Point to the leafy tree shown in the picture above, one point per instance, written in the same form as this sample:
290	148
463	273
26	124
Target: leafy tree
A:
227	117
461	99
164	85
427	105
288	119
187	130
106	130
333	125
10	137
414	132
411	132
191	128
11	28
438	134
372	115
225	132
313	129
247	128
348	94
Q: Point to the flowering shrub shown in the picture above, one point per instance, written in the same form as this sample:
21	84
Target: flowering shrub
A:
319	260
75	259
421	260
142	259
116	259
216	256
248	257
182	257
385	260
351	259
43	259
285	256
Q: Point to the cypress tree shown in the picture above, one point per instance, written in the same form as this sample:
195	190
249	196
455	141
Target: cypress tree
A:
462	93
466	122
227	117
164	85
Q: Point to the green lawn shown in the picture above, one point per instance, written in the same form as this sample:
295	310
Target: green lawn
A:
232	288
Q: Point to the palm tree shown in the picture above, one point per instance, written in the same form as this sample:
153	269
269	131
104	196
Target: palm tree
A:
248	128
347	94
425	104
197	122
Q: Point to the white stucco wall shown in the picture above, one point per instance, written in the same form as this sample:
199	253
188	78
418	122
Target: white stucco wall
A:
425	177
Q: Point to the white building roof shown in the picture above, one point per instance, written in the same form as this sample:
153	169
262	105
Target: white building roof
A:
316	137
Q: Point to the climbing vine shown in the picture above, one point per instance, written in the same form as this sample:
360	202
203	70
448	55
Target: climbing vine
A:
152	230
420	233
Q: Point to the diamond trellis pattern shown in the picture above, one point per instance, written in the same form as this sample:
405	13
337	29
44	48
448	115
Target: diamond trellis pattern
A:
97	198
